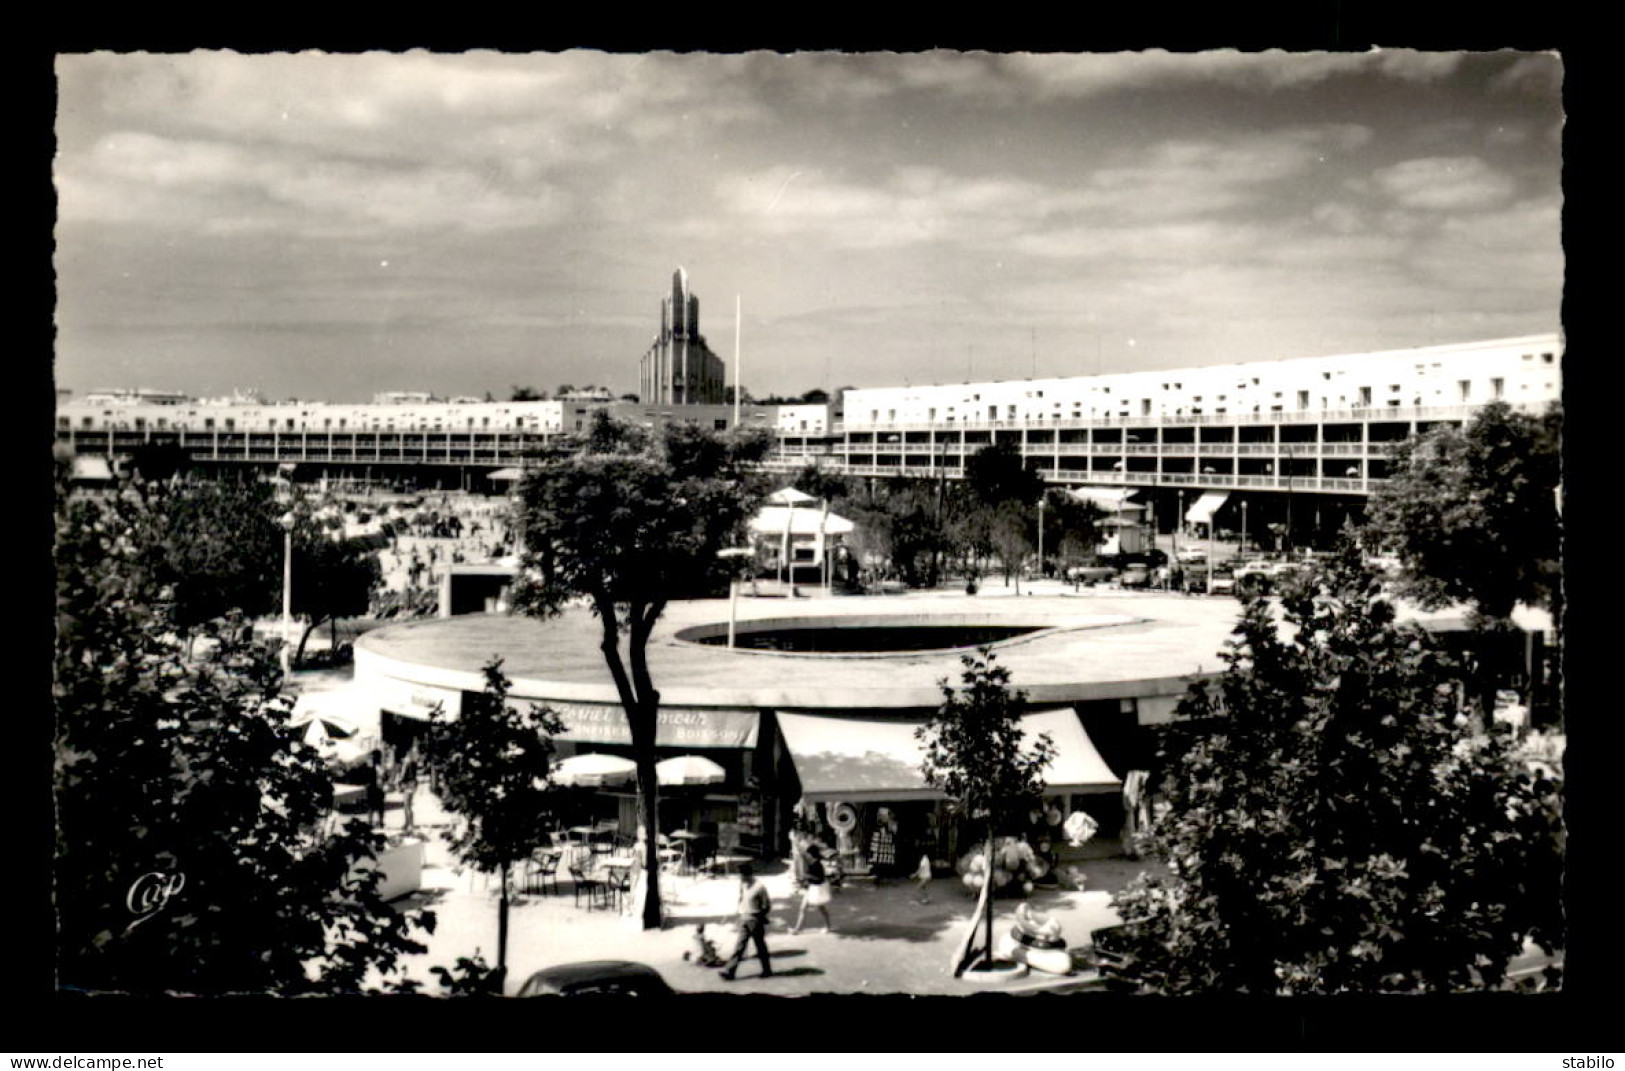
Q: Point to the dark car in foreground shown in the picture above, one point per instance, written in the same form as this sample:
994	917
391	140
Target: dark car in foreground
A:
597	978
1115	956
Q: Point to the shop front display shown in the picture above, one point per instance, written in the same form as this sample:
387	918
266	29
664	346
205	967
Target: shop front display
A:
861	786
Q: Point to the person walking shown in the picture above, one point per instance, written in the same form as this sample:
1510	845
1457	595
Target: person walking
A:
755	905
409	787
375	789
813	881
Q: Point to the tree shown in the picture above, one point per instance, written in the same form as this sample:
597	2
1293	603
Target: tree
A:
974	754
1010	530
901	521
207	546
1071	525
160	460
332	578
998	473
1473	515
824	484
1335	826
190	850
527	394
492	763
629	523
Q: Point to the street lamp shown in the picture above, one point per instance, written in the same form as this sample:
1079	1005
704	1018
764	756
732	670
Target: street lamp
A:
1242	550
287	522
1042	495
733	587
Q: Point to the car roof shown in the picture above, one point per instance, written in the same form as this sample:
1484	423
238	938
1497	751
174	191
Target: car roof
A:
592	970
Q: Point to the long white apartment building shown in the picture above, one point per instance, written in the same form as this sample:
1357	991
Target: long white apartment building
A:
1215	435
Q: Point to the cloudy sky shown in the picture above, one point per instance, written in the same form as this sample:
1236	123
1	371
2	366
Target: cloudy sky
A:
328	226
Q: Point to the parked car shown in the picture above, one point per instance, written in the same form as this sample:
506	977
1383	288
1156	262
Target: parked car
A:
1135	576
1090	574
597	978
1224	581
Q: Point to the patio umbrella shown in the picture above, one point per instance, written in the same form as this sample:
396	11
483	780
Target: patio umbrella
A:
789	496
329	724
594	771
689	770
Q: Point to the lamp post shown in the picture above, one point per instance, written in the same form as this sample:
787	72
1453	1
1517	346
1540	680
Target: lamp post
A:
1242	549
1042	495
287	521
733	588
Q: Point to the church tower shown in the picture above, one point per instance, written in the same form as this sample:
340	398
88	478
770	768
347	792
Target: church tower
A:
679	368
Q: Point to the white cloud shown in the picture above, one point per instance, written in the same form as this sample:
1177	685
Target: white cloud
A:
1444	183
194	183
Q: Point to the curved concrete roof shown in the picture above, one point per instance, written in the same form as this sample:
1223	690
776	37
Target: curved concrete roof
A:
1091	646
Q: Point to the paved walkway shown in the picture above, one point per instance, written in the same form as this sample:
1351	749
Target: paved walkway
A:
884	941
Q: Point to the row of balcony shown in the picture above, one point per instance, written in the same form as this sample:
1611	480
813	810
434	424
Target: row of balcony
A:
1367	415
1209	480
1350	449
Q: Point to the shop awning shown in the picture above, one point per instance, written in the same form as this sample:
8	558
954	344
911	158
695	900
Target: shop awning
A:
1203	509
680	727
506	475
91	469
1109	498
869	759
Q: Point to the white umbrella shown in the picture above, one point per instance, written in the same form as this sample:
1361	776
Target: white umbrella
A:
689	770
328	724
594	770
789	496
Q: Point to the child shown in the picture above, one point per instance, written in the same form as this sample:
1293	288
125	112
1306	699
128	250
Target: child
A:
705	950
922	878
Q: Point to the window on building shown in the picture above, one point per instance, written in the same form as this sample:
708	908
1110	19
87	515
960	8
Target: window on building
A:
1303	399
722	425
140	423
1145	406
1545	358
1466	386
1498	387
208	423
993	412
231	425
1365	395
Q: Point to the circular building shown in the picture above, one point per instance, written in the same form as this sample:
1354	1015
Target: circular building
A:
817	700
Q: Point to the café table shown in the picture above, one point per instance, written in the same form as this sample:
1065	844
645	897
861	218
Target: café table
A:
684	839
616	873
724	862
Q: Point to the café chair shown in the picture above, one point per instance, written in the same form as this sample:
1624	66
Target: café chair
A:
583	884
541	868
618	886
